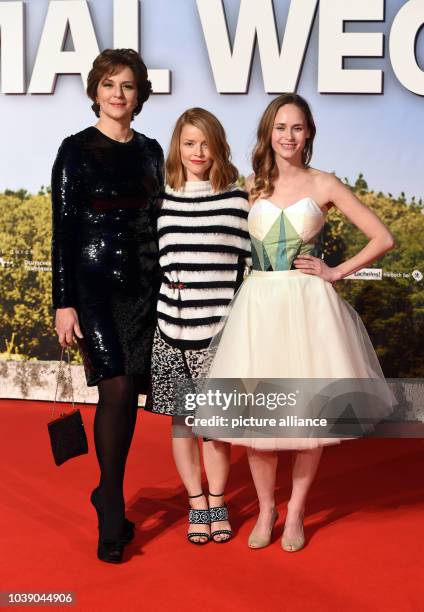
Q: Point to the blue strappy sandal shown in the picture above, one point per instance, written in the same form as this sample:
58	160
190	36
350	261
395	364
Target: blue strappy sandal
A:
198	517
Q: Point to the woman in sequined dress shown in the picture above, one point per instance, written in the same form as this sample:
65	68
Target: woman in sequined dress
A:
105	184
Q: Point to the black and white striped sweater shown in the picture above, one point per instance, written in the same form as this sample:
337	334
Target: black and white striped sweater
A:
204	247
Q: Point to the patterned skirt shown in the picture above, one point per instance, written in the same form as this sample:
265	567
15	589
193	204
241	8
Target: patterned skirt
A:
170	364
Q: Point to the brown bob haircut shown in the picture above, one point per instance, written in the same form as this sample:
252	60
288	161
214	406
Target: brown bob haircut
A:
263	158
222	173
109	62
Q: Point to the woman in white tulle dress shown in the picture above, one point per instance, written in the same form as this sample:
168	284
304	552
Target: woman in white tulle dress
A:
287	320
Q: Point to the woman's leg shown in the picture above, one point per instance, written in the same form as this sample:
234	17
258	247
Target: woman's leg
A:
216	458
114	424
305	466
263	466
185	448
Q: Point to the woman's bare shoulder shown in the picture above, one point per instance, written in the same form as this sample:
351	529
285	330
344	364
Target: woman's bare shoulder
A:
322	176
326	181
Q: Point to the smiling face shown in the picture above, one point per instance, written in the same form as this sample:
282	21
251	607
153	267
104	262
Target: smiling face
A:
196	156
289	133
117	95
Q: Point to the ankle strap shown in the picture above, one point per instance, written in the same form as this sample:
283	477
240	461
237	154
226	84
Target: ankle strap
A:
193	496
216	494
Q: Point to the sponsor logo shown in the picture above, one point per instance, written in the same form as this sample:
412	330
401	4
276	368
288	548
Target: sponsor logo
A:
366	274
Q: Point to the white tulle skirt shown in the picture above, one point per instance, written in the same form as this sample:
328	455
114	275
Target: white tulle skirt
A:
289	325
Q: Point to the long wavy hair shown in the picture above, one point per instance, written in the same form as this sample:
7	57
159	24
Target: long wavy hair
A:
263	157
222	173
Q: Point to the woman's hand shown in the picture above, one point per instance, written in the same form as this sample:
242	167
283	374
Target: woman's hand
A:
313	265
67	326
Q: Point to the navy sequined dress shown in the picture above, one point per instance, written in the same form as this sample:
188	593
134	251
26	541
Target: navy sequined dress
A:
104	248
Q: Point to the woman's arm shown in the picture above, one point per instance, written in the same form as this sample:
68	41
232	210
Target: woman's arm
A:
380	238
65	187
159	166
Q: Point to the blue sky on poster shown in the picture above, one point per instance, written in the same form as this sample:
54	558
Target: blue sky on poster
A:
379	135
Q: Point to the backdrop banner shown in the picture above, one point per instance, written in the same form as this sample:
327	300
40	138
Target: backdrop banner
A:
359	64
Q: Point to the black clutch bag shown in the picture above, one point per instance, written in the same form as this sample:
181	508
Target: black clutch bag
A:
67	434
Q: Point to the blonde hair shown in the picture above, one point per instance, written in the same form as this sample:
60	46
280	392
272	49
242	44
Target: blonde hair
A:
222	172
263	158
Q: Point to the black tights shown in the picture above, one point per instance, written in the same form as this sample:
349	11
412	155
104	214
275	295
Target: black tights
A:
114	425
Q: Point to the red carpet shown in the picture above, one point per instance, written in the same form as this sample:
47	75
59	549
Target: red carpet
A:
364	526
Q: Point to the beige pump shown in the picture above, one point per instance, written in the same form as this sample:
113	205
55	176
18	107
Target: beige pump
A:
261	542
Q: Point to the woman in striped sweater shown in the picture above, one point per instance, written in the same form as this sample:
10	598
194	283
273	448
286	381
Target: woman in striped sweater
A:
203	249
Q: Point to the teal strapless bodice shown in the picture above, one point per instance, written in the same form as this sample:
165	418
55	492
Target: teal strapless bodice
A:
278	235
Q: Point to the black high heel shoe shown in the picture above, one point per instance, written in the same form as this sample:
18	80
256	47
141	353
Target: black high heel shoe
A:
111	551
219	513
129	527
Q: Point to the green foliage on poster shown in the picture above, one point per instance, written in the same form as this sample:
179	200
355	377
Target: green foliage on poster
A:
392	308
26	326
